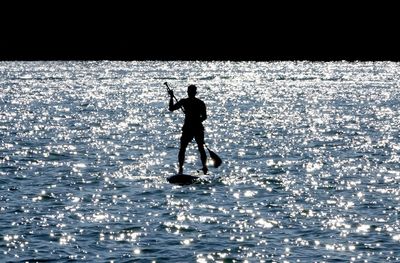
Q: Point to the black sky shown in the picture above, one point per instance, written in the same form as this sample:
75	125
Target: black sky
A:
201	31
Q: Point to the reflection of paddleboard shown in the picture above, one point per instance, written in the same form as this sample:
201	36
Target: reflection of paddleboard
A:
182	179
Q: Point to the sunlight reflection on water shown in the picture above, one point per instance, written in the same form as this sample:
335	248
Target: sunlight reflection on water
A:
310	168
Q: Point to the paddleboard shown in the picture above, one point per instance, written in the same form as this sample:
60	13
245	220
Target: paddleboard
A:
182	179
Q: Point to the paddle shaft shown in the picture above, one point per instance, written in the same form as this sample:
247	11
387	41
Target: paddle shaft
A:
168	89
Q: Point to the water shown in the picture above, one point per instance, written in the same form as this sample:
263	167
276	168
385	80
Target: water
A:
311	168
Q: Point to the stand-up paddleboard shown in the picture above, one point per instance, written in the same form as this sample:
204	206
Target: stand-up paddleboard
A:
182	179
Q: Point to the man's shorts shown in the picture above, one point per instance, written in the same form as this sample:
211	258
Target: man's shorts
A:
188	135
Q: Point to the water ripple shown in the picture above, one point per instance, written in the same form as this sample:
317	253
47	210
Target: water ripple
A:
310	170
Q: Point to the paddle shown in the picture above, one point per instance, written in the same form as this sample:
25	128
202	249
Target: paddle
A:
168	89
216	160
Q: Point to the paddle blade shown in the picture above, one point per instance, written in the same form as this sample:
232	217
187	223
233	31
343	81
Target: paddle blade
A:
217	161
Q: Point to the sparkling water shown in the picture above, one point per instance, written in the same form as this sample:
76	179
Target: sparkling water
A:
310	167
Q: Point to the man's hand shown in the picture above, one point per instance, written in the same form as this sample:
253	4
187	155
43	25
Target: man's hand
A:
171	92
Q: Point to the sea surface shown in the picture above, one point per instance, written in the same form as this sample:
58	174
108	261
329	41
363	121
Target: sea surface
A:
310	169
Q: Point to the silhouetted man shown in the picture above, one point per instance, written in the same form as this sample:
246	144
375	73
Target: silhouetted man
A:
195	114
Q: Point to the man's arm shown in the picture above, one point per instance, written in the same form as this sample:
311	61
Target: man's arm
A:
171	103
173	106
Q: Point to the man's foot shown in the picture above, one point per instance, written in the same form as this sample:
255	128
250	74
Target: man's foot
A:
180	171
205	169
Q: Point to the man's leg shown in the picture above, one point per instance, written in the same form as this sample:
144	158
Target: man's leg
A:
200	145
185	139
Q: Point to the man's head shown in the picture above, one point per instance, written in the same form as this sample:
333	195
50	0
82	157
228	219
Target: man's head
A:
192	90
